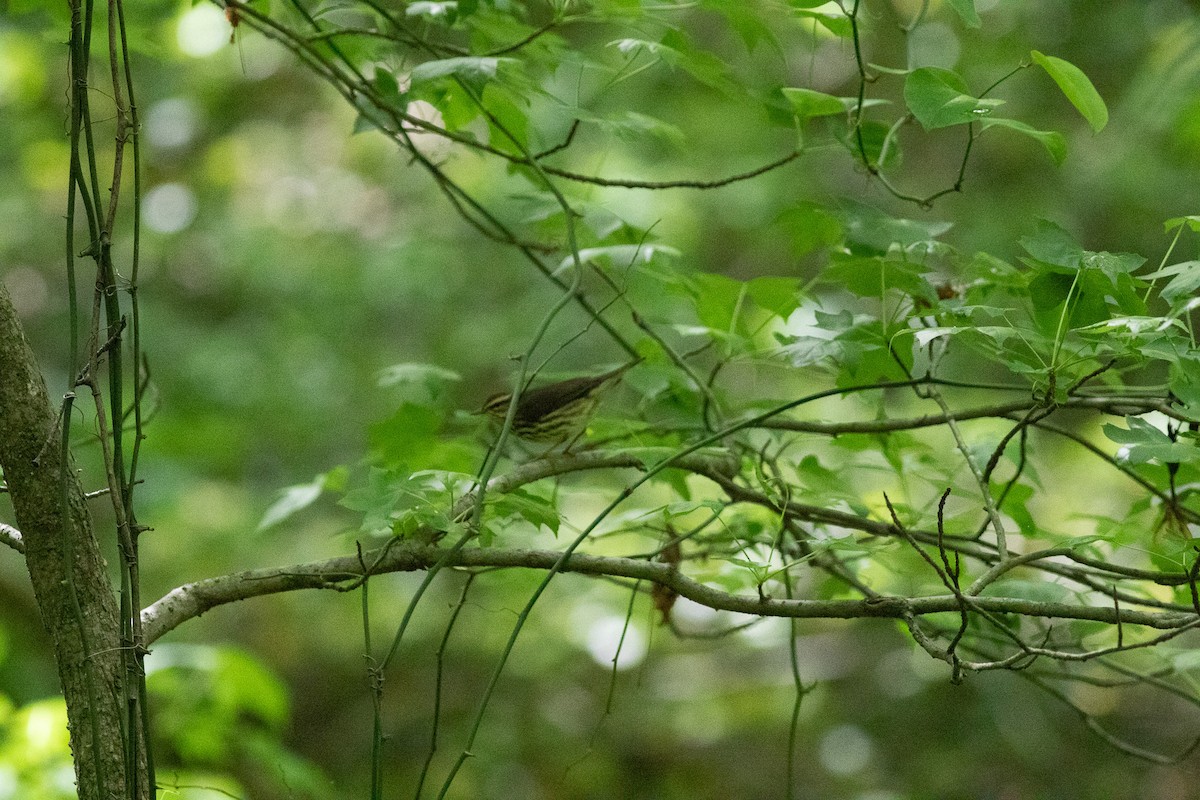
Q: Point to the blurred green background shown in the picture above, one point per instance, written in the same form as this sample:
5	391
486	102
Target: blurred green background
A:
287	263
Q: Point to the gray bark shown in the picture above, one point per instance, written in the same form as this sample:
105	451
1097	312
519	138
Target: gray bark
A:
65	566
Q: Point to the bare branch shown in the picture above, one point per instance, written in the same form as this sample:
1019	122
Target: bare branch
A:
12	537
193	599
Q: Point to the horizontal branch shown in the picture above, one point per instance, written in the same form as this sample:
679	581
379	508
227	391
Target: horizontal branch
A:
193	599
12	537
627	183
1117	406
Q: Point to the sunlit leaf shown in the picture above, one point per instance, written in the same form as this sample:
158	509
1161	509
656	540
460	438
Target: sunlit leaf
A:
780	296
293	499
1142	442
402	437
1076	87
825	14
622	256
939	98
1132	325
398	374
1193	222
807	103
1185	280
473	69
717	300
508	119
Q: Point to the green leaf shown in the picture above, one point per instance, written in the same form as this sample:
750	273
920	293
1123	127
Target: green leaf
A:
760	570
808	227
632	47
1113	265
1033	590
455	103
833	19
507	119
807	351
1077	88
871	276
1016	501
874	136
1172	453
808	103
939	98
700	64
870	229
923	336
780	296
996	334
1144	442
866	357
1052	245
1183	660
387	87
1185	280
752	25
677	52
966	10
1132	326
377	499
825	482
293	499
630	126
621	256
537	511
370	117
1192	222
472	69
1054	142
430	376
406	435
1139	432
717	299
1185	381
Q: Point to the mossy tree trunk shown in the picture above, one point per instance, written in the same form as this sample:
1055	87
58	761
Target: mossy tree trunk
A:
65	566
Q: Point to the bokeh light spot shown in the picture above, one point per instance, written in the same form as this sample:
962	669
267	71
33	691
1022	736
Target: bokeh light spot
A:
169	208
202	31
845	750
604	638
172	123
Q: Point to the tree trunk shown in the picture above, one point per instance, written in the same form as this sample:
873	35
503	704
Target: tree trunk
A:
65	566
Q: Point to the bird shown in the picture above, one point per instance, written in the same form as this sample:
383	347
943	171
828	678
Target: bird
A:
557	412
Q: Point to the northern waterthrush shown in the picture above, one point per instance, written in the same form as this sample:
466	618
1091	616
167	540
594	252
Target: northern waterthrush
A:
554	413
